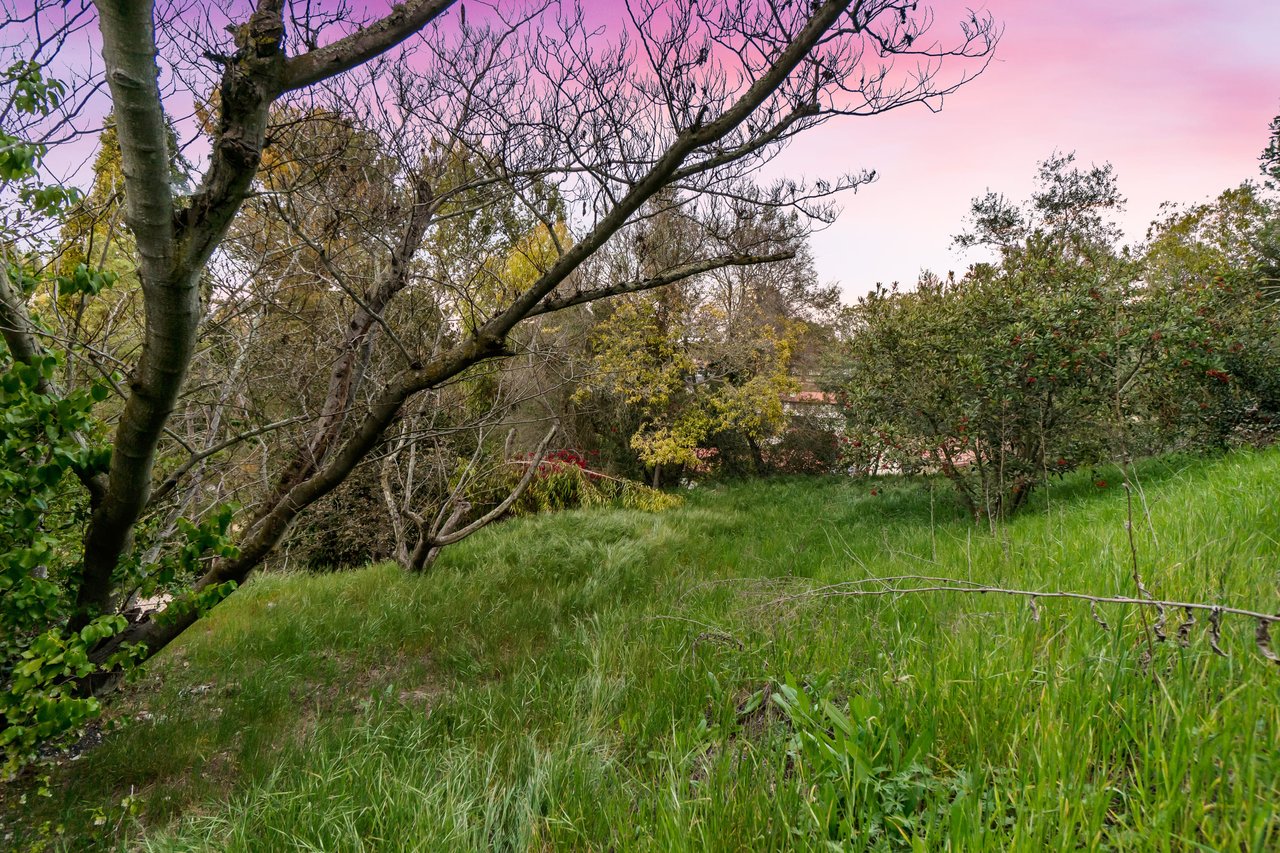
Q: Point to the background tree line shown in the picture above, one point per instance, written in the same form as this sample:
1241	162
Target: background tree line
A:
1068	349
340	290
326	263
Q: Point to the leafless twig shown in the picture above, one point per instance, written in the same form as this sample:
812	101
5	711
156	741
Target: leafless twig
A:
894	587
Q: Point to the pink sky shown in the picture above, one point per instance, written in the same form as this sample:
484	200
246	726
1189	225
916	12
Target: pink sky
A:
1177	95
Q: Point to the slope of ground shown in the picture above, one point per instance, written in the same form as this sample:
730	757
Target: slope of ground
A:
618	680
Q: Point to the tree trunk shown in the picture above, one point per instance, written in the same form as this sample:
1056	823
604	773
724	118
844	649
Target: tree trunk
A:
757	457
258	74
428	546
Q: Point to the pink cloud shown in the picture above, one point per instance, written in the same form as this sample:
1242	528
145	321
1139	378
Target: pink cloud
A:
1176	93
1177	96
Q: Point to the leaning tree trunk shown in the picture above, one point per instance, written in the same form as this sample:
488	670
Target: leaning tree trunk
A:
721	135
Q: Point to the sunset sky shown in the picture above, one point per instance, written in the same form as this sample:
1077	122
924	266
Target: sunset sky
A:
1177	95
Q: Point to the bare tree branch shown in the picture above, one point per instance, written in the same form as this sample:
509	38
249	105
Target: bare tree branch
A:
170	482
430	541
677	274
363	45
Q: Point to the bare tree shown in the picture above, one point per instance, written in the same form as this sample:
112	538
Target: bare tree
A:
525	107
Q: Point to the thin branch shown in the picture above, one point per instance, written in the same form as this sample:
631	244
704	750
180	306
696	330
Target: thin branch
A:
364	44
890	586
162	491
550	305
496	512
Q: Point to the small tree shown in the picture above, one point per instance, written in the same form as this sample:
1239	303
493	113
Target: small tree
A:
694	100
703	366
1019	369
1208	273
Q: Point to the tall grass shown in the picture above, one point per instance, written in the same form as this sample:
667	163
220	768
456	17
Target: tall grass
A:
611	679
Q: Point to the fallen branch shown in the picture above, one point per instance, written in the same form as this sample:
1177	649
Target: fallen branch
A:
892	586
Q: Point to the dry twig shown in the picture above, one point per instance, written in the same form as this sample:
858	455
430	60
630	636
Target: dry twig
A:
894	587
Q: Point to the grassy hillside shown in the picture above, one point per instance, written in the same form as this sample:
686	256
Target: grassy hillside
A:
605	680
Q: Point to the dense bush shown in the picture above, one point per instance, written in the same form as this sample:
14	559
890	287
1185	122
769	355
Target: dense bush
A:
350	527
1210	268
809	445
1066	350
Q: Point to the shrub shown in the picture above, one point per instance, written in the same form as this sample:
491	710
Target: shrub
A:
1067	351
564	481
808	446
349	528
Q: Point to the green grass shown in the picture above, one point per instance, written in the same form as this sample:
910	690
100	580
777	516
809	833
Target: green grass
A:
603	680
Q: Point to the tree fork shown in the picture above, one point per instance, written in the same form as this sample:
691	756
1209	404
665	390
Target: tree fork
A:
174	246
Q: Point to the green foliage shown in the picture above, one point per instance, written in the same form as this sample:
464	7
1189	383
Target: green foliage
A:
197	542
40	450
1066	351
49	439
687	393
175	570
567	486
1208	269
83	280
602	678
698	369
31	93
810	445
46	439
1271	155
1010	373
996	380
40	704
198	601
1070	206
